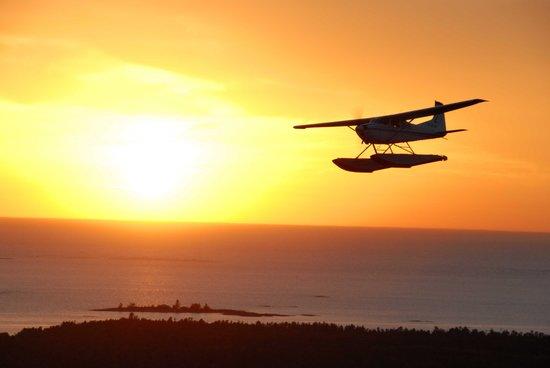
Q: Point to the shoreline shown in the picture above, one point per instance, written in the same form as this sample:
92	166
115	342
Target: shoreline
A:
178	310
194	308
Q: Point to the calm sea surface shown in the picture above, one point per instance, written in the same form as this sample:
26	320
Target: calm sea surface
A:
51	271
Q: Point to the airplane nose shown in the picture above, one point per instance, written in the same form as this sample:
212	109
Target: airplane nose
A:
360	131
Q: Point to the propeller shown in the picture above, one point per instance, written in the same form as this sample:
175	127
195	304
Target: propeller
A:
359	113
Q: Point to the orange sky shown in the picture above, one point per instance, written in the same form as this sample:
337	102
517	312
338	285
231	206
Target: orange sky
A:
175	110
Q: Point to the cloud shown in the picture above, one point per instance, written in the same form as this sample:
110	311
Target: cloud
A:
146	76
54	71
34	69
139	89
11	40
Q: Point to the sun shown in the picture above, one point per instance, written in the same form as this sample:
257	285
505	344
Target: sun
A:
153	158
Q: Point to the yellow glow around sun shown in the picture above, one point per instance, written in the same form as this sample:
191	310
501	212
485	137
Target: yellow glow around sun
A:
153	159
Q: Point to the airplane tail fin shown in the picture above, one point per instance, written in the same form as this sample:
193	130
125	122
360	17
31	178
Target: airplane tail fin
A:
438	121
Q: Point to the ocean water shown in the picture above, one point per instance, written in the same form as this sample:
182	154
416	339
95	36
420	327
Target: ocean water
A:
56	270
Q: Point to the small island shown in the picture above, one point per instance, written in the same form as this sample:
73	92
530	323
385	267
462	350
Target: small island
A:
196	308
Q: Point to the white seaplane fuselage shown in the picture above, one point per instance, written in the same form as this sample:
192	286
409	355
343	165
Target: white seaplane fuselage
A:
391	130
386	133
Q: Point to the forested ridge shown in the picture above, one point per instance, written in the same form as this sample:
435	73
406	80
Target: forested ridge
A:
134	342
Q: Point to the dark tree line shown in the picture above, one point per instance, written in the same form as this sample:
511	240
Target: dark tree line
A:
133	342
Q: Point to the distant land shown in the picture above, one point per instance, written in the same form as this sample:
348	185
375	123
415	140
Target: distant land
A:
134	342
149	241
194	224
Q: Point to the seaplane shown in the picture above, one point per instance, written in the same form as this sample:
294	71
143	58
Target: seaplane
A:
389	136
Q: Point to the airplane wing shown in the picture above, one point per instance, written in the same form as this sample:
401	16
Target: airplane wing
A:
402	116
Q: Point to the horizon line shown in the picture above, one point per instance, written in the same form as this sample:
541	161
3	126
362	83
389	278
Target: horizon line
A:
184	222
